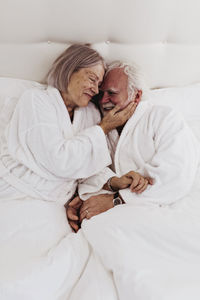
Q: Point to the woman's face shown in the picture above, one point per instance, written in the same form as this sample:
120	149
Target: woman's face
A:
84	84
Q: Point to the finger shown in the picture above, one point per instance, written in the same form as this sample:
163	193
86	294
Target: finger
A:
115	109
84	207
135	178
72	214
150	180
135	182
125	111
76	202
74	226
143	188
139	185
130	108
85	215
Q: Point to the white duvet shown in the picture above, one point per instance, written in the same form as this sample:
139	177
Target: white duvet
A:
153	252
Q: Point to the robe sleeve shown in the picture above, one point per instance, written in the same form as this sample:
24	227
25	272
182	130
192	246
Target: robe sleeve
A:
80	156
93	185
173	165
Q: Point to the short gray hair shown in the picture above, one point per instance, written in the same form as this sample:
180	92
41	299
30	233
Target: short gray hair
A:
135	77
76	57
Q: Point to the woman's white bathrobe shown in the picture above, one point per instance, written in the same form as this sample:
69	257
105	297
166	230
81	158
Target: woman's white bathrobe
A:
42	155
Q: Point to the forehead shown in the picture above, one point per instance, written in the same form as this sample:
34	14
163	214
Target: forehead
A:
96	70
115	79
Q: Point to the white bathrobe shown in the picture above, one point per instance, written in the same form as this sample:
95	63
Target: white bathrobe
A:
155	142
42	149
42	155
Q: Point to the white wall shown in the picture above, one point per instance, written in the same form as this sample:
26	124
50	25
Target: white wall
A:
162	36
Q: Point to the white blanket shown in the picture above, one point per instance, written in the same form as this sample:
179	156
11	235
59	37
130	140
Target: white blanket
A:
153	252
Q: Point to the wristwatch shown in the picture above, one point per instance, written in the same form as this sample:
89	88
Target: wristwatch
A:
117	200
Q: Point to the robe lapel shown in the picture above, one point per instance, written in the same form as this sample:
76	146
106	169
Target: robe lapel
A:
128	128
64	118
79	120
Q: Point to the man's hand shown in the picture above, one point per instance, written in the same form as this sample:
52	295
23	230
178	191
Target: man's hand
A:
72	211
96	205
134	180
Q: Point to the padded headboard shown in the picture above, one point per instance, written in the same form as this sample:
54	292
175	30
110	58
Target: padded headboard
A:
162	36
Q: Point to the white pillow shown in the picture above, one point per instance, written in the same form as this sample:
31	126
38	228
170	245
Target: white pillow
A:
183	99
10	91
12	87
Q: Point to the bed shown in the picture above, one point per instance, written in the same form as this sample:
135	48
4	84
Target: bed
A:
98	262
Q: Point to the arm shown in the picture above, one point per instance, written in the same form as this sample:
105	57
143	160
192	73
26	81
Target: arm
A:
41	135
136	182
46	136
173	165
99	203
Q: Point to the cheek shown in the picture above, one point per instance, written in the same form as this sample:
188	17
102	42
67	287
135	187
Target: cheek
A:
84	84
124	104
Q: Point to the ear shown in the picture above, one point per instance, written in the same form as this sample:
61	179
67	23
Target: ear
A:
138	96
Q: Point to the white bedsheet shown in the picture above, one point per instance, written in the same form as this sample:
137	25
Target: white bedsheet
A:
41	259
153	252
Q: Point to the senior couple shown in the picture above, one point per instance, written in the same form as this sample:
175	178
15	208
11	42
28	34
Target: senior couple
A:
56	141
147	151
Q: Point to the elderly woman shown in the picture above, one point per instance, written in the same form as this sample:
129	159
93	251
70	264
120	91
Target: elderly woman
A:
51	141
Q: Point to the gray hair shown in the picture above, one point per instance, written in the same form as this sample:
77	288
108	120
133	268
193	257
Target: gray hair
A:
135	77
75	57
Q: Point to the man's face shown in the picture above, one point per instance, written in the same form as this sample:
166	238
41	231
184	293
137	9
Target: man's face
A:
114	90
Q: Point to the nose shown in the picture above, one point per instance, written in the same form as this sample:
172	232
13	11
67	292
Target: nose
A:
105	98
95	88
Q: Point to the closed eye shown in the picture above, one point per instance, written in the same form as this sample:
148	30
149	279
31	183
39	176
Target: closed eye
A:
92	79
112	93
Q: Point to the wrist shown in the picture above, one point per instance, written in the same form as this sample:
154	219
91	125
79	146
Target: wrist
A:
117	199
103	127
111	184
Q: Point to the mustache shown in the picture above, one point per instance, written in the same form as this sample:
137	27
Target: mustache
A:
108	105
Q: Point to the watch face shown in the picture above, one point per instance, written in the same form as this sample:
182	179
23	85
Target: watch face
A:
117	201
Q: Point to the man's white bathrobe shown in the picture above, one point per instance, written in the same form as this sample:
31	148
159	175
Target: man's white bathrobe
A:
151	245
155	142
42	155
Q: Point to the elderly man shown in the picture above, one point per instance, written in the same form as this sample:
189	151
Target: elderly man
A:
155	142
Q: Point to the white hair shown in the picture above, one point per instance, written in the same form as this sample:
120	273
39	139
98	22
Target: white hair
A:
135	77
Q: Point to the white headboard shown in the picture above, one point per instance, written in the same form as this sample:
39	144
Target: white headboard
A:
162	36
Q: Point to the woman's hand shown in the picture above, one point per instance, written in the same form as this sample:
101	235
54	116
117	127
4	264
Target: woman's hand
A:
134	180
72	212
117	117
